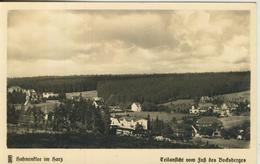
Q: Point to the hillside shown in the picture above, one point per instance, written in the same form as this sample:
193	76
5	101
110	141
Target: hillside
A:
244	95
157	88
172	87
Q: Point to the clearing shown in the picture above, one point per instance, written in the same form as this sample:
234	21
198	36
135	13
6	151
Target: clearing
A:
232	121
85	94
179	102
231	143
243	94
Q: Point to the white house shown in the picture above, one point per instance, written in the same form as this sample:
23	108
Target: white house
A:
49	94
198	110
98	102
128	123
15	88
136	107
194	110
224	106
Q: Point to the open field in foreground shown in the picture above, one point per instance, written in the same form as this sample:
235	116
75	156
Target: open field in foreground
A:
230	143
67	140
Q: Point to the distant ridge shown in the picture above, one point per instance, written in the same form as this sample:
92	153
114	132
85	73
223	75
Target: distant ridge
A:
130	74
142	87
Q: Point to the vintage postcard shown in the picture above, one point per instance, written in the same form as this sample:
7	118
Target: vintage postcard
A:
128	82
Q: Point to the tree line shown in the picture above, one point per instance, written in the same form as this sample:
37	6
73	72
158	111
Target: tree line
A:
171	87
73	83
156	88
81	116
70	116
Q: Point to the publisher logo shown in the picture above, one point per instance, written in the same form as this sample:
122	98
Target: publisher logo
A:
10	159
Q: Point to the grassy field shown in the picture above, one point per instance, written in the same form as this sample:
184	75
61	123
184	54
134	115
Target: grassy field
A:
232	121
244	95
178	102
166	117
48	105
85	94
231	143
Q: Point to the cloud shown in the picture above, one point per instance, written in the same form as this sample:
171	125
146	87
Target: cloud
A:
96	42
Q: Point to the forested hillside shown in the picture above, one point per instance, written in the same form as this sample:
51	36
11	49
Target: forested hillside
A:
175	86
157	88
64	83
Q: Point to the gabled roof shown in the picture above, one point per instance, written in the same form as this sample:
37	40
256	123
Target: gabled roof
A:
136	103
129	118
208	120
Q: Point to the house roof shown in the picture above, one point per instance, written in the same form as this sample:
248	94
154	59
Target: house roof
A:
208	120
137	103
129	118
48	93
99	102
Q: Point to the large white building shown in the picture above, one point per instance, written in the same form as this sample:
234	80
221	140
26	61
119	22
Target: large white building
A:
49	94
127	124
197	110
136	107
16	89
98	102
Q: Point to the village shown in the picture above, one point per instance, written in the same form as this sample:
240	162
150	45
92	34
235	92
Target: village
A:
207	119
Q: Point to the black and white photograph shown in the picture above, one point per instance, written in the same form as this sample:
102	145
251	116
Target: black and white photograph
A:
129	78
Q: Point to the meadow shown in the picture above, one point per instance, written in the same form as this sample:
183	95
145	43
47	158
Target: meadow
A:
227	143
231	121
84	94
235	95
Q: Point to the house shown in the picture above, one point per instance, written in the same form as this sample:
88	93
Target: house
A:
205	99
49	95
194	110
115	108
162	138
136	107
211	123
31	96
223	111
15	88
198	110
216	109
208	122
98	102
126	125
224	106
233	107
76	98
239	137
206	106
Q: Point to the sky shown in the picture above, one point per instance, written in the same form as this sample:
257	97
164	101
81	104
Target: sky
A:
82	42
